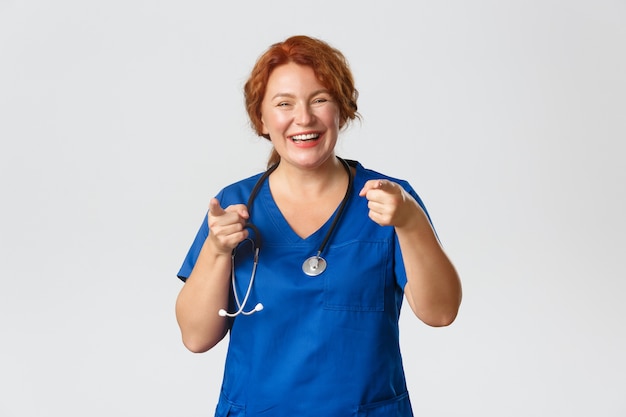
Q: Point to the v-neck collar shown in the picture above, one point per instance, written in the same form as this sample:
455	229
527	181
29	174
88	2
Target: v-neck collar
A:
284	232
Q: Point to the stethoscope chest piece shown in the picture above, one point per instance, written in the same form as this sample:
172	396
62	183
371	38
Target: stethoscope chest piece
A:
314	266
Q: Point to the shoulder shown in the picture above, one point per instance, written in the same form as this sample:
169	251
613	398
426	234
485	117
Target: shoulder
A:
364	174
238	192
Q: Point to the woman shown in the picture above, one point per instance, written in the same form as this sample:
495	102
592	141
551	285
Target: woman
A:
314	327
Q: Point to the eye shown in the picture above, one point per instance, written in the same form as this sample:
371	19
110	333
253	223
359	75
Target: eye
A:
320	100
282	104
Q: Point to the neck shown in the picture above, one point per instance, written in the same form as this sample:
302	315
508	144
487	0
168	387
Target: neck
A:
310	182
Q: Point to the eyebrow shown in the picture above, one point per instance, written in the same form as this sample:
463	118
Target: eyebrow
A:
290	95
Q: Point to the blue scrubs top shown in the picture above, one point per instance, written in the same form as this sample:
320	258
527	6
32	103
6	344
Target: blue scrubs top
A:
325	345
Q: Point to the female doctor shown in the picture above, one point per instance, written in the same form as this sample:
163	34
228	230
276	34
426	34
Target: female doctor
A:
306	266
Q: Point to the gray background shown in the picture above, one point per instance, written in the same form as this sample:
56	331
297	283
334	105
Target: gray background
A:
120	119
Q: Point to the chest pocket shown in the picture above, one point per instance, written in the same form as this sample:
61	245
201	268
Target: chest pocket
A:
358	283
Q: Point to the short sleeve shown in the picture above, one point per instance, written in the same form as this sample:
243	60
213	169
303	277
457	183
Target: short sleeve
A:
194	251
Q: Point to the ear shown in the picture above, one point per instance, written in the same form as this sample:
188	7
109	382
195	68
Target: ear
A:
264	130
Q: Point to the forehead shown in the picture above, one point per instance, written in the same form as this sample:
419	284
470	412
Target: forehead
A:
292	78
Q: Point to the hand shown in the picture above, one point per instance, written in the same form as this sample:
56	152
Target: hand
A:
227	225
389	203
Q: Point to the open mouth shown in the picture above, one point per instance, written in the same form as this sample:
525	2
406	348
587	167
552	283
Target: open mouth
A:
305	138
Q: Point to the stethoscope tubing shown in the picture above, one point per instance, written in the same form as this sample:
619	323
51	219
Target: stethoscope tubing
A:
241	305
310	266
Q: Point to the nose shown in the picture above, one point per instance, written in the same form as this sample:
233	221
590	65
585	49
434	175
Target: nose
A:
304	115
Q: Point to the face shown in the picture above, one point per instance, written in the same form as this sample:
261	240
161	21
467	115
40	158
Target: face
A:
300	116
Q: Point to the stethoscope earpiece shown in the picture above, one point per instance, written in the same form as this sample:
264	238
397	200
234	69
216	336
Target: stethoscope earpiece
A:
224	313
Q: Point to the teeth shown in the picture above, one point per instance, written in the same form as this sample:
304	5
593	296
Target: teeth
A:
306	137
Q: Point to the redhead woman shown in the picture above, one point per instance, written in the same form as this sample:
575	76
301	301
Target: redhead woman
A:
306	265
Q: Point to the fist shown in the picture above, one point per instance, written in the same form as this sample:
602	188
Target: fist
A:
389	204
226	226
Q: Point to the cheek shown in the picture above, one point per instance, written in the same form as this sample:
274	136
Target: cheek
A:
335	119
275	121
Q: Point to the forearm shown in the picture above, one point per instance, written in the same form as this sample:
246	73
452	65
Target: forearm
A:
205	292
433	286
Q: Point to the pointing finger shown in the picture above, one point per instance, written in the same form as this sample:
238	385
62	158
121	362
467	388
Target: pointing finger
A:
215	208
374	185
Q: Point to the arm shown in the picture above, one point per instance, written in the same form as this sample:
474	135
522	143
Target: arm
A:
433	288
208	286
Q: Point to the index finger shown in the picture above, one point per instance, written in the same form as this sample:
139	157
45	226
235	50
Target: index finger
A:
215	208
374	185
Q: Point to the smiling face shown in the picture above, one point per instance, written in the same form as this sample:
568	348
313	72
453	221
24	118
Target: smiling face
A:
300	116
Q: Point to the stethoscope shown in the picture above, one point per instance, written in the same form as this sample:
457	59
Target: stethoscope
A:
312	266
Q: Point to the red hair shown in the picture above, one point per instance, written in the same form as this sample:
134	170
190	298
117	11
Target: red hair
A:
329	65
